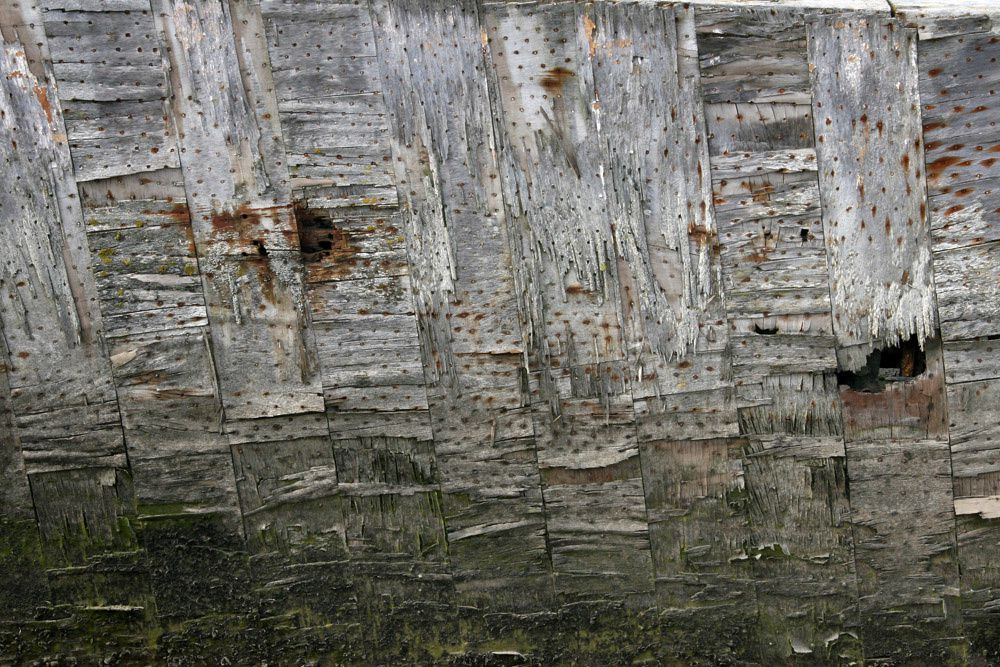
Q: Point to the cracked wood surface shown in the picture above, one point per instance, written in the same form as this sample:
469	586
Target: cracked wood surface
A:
488	332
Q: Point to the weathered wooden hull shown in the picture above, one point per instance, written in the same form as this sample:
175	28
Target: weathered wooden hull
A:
485	332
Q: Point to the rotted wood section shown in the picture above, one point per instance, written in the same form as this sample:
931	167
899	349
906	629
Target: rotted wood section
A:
487	332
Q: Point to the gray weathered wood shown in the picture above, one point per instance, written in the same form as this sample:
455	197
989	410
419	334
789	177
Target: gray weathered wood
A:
242	218
473	354
870	164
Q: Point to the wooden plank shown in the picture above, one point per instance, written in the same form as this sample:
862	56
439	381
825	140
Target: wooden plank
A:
83	512
971	360
332	114
110	74
242	219
696	502
874	212
961	139
562	245
972	410
20	540
904	535
466	302
968	293
656	178
59	370
566	278
147	268
752	55
939	18
802	549
766	198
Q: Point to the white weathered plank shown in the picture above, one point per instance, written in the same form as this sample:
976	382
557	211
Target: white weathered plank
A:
870	154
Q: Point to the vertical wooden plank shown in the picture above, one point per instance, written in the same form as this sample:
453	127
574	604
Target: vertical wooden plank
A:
658	187
466	301
59	370
756	90
357	287
689	396
656	176
755	82
870	155
551	169
659	192
244	226
63	400
149	288
698	522
21	564
802	549
957	56
906	554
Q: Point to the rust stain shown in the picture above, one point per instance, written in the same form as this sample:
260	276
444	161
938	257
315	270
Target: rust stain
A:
179	212
935	72
265	279
43	98
555	79
242	227
700	235
903	406
954	209
333	251
938	166
589	27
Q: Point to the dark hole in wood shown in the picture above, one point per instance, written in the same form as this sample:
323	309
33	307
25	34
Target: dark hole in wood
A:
804	234
766	331
896	363
261	250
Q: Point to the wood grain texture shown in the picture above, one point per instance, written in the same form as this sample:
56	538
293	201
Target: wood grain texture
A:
60	377
473	354
499	332
241	213
959	110
876	232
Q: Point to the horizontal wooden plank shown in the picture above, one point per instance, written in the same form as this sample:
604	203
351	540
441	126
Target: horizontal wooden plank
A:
968	292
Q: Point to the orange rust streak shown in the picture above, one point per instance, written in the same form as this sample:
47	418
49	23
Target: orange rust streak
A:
937	167
43	98
555	79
